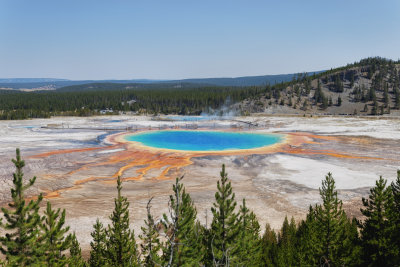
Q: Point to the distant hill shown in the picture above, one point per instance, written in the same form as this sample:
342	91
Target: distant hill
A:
246	80
368	87
30	80
53	84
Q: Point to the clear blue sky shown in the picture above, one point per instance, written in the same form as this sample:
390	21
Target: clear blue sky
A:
170	39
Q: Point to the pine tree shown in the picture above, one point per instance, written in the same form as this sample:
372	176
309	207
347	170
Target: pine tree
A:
287	243
309	242
120	245
269	247
351	250
371	94
75	253
184	242
331	221
374	110
21	244
394	220
55	241
339	101
386	96
224	229
97	252
151	245
374	237
249	247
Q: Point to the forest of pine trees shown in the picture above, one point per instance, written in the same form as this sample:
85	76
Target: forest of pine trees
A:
88	99
326	237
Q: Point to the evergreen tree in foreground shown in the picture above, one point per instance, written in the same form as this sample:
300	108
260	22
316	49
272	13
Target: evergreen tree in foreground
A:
331	221
269	247
55	242
394	219
150	245
120	244
249	247
183	247
308	240
97	252
75	253
224	226
374	229
287	243
21	244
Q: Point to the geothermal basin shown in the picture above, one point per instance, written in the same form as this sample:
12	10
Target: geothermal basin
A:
276	163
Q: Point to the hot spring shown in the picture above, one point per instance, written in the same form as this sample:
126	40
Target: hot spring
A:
204	140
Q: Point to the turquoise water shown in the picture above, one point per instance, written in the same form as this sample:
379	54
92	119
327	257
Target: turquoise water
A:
191	118
204	140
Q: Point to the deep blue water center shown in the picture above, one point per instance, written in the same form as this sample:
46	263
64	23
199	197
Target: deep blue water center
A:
204	140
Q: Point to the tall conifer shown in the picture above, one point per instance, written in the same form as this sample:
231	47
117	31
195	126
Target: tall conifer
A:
374	234
183	247
55	241
224	227
150	245
249	246
21	244
394	219
120	246
308	240
75	253
331	221
97	252
287	243
269	247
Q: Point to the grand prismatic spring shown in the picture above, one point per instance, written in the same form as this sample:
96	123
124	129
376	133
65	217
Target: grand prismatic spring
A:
204	140
276	163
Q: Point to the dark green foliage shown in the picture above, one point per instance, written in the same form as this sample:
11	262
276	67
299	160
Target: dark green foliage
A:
371	94
338	87
120	244
151	101
374	110
351	249
287	244
339	101
98	245
75	254
308	240
22	244
183	247
386	96
394	219
331	221
248	245
150	246
269	247
55	241
224	227
374	229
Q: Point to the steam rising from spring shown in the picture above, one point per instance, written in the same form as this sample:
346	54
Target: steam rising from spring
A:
226	111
